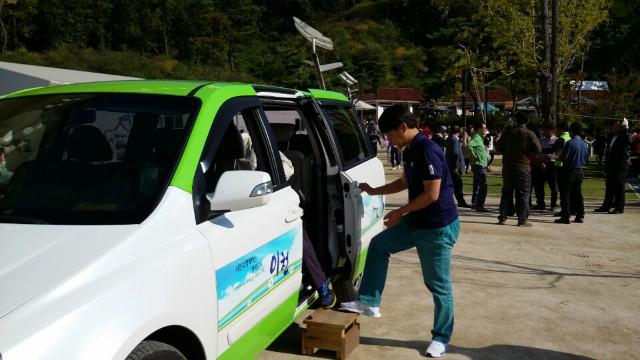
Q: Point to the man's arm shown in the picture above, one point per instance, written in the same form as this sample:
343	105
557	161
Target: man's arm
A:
390	188
429	195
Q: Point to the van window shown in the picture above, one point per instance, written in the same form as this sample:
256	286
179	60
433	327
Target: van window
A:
352	146
242	147
89	159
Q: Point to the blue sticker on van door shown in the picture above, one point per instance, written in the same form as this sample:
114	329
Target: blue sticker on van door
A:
246	280
373	210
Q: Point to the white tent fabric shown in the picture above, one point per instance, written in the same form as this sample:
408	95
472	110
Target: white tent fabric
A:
361	105
14	77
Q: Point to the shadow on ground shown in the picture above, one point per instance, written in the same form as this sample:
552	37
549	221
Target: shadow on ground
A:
290	342
493	352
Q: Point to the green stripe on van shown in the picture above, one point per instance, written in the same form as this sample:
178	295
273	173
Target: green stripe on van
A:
212	96
327	95
251	344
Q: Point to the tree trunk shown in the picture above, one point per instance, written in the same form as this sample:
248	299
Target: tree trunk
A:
553	106
5	37
544	71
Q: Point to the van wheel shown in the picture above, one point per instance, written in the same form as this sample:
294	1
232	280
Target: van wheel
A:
155	350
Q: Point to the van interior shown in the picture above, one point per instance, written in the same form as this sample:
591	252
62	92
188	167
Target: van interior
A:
315	179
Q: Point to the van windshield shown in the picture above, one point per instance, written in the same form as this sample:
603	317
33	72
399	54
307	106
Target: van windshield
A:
89	159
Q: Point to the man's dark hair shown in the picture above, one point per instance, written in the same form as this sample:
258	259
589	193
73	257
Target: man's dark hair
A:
395	115
521	118
455	129
576	129
561	126
477	126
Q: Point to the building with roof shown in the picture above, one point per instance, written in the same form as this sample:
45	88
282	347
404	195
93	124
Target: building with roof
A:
14	77
497	98
587	92
385	97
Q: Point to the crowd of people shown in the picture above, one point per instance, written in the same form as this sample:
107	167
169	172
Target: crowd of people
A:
532	164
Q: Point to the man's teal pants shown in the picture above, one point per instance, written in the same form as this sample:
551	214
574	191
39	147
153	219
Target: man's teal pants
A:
434	249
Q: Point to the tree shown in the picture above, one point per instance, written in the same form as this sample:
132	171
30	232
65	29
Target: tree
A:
3	28
517	29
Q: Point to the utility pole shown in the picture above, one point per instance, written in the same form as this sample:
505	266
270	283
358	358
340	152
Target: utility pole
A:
544	72
553	106
464	97
485	77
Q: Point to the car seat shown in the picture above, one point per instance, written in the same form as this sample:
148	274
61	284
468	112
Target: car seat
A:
300	181
229	152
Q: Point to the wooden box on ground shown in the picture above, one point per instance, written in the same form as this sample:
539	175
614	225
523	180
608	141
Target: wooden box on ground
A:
331	330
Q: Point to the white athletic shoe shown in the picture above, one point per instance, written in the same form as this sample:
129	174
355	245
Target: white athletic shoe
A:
361	308
436	349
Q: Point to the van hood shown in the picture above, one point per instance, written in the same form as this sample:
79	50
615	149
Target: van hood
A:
36	258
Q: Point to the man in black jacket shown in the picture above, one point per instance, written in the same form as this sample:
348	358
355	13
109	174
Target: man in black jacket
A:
455	161
617	166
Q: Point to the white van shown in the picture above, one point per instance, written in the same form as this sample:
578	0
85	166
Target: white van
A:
152	219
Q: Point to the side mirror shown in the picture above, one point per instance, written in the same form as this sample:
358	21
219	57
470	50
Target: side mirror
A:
241	189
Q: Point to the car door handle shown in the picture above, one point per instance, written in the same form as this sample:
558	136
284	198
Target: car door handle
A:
294	214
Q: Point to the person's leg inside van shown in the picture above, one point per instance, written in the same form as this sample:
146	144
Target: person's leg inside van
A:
314	269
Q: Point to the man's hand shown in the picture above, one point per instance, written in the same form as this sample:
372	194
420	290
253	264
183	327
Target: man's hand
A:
393	218
366	188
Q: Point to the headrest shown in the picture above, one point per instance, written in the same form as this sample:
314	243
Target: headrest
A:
88	144
231	144
167	143
83	116
283	132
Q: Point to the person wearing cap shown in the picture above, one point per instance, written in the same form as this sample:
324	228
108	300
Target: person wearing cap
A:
429	222
617	166
574	156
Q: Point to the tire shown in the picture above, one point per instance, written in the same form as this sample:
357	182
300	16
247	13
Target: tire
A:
154	350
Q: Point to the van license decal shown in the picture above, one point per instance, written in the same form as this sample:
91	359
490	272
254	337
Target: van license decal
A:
249	278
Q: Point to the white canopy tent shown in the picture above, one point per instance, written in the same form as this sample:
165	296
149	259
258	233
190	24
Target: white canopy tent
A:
362	106
14	77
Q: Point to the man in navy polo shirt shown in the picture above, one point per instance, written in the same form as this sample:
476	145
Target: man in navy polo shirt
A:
429	222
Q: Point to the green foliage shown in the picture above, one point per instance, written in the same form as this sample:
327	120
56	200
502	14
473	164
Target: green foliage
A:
410	43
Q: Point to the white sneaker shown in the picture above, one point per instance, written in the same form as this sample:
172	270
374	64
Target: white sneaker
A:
361	308
436	349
